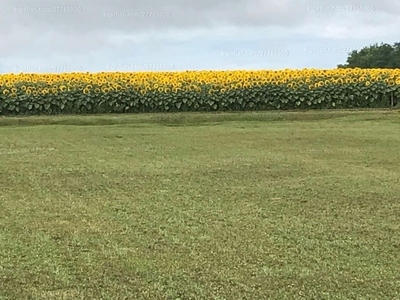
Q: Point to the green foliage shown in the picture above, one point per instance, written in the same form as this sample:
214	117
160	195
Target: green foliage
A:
266	97
383	56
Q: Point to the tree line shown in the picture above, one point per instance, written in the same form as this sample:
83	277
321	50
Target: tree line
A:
382	55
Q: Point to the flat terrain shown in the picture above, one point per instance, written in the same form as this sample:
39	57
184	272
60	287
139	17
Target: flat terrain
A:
292	205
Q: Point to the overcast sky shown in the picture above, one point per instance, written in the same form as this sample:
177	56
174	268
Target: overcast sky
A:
109	35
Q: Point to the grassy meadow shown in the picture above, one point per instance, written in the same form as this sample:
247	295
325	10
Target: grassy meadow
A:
268	205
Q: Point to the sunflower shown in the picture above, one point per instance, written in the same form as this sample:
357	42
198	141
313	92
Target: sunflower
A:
6	92
176	90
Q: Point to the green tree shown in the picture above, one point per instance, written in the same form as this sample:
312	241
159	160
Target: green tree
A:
383	56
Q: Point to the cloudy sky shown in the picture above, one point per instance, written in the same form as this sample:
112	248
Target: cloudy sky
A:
109	35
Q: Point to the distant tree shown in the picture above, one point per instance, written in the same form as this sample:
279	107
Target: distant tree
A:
383	56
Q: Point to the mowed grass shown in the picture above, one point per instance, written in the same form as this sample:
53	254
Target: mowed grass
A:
293	205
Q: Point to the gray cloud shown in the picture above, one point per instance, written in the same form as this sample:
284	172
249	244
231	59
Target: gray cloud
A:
124	15
92	15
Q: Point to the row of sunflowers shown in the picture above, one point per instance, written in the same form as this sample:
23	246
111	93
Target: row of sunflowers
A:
117	92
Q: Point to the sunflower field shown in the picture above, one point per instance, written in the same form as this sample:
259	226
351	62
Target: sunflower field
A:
128	92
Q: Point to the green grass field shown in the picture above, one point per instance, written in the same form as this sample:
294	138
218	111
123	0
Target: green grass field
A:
292	205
